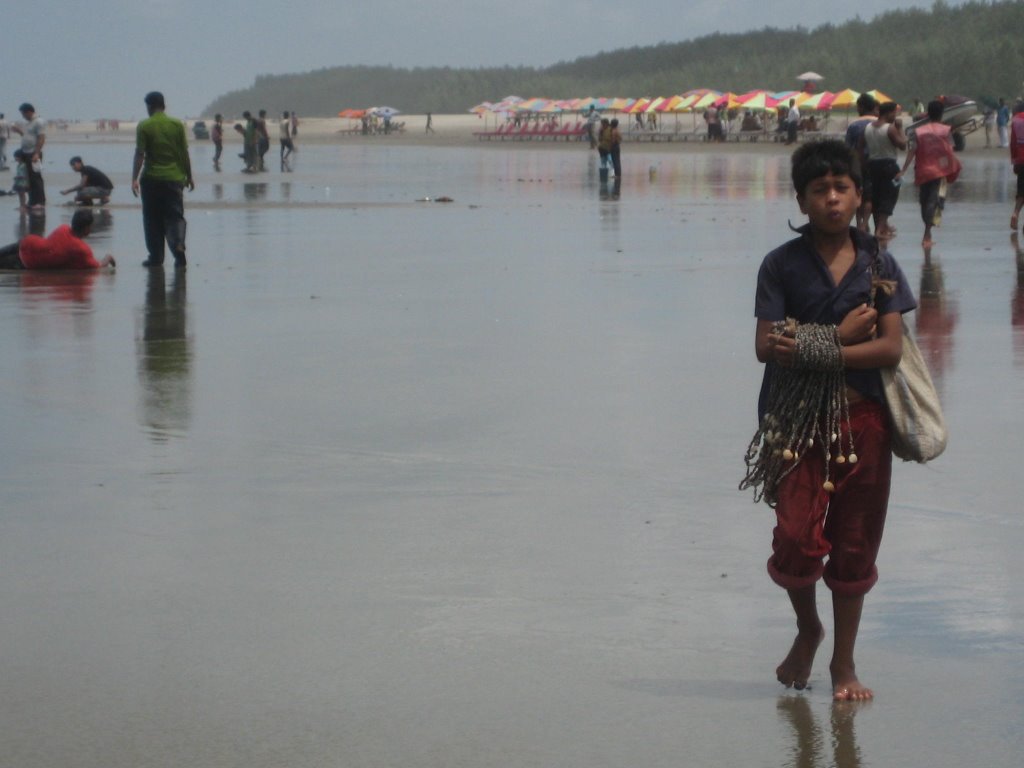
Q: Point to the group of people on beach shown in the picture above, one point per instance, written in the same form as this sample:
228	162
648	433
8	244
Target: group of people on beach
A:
876	137
829	300
161	170
256	140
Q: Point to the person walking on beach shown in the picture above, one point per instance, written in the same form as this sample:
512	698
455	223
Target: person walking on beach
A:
867	109
33	137
825	469
287	147
935	164
1017	159
262	139
430	123
604	142
792	122
593	123
615	149
883	138
217	137
93	183
249	143
1003	123
160	172
5	134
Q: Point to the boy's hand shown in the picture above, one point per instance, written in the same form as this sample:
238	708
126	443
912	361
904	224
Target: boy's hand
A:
782	349
858	325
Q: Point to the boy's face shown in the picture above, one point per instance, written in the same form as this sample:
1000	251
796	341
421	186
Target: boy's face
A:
830	203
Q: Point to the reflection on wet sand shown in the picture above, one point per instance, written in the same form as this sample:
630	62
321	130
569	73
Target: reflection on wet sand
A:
254	191
164	352
1017	305
808	740
936	319
60	286
612	191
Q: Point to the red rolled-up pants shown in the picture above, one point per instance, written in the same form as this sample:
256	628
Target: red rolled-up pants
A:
846	525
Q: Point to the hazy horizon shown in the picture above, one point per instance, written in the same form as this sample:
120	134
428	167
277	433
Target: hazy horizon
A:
103	63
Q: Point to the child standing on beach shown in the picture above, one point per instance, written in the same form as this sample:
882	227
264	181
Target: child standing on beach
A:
20	184
828	308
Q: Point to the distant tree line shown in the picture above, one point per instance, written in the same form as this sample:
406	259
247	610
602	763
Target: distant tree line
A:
975	49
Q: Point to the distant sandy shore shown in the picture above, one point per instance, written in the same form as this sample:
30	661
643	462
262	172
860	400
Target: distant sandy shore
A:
457	130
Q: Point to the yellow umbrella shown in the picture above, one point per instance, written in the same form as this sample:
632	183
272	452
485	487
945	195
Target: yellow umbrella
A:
880	97
845	99
706	100
685	103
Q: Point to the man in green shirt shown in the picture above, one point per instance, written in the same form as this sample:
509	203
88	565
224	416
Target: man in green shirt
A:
161	171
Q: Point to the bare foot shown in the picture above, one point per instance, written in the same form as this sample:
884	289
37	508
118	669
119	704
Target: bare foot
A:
1013	222
795	669
927	242
846	686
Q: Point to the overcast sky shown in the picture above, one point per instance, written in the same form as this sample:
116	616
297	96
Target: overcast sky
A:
98	59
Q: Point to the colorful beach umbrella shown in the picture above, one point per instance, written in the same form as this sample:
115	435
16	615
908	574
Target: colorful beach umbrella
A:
686	102
878	96
817	101
845	99
757	101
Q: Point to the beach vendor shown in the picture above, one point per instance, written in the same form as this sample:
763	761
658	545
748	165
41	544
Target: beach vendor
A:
61	249
822	455
935	164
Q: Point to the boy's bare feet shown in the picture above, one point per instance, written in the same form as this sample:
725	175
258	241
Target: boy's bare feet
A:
846	686
795	669
1013	222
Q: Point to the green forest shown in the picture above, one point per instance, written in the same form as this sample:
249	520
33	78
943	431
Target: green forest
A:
975	49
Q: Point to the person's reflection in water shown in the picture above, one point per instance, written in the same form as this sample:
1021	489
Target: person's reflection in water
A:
808	740
613	192
31	225
936	318
286	190
102	221
254	191
1017	304
218	191
164	352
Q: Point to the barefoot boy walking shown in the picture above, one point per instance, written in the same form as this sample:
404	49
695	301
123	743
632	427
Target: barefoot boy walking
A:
822	456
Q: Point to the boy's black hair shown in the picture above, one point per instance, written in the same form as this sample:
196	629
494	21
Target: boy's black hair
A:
866	104
886	107
819	158
81	221
935	110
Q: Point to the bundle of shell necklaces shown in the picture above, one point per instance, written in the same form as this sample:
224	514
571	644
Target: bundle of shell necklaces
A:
806	405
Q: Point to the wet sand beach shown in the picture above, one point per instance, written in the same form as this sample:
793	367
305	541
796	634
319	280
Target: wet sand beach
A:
378	481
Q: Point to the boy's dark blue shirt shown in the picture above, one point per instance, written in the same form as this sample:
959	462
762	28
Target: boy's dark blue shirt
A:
794	281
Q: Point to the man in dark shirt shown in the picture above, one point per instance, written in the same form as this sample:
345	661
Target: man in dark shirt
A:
93	183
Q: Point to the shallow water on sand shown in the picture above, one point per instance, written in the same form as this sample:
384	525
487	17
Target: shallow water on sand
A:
386	482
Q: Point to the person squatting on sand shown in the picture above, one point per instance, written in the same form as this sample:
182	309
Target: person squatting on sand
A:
160	172
62	249
93	183
821	455
935	164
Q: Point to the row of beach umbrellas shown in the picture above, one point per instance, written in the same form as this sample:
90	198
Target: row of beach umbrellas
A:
758	100
356	114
